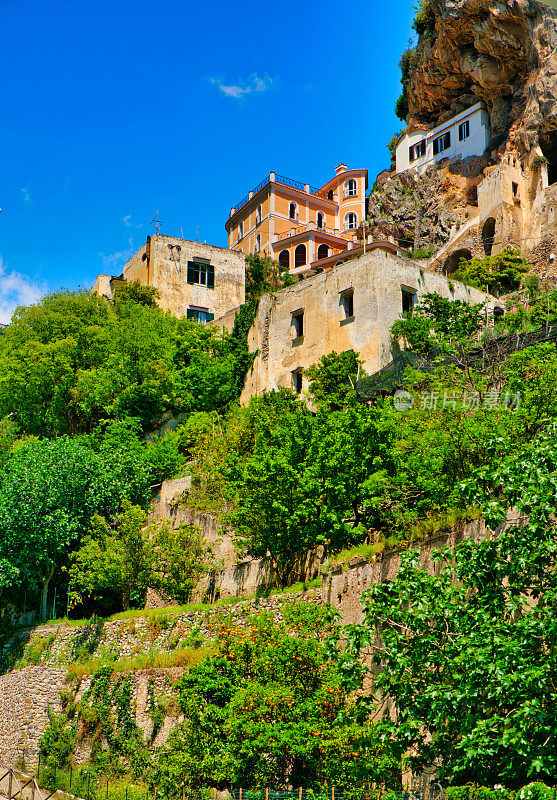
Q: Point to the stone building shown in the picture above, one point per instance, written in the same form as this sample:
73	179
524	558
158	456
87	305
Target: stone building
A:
349	307
195	280
297	224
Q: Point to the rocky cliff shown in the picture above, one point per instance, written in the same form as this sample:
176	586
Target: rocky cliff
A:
502	53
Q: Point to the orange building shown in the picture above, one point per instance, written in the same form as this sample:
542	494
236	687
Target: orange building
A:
298	224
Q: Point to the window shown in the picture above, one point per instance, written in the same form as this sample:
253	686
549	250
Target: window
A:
350	221
240	231
347	302
515	190
284	259
300	259
416	150
293	211
350	188
199	315
258	243
298	323
441	143
202	273
258	215
322	251
330	195
320	220
463	131
297	381
408	300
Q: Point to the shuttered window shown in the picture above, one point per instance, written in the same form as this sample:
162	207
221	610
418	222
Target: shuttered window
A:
201	274
198	315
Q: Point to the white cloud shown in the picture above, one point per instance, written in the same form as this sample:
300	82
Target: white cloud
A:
16	290
26	194
127	220
254	85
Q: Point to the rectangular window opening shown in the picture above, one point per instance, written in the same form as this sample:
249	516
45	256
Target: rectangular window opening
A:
199	315
348	303
201	273
515	189
297	381
463	131
298	323
408	301
441	143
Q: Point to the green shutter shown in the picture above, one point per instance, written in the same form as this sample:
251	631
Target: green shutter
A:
210	276
191	314
191	272
209	317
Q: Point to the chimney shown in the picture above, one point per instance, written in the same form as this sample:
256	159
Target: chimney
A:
341	168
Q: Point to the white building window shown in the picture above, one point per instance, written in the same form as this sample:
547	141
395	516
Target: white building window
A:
350	221
464	131
441	143
417	150
293	211
350	188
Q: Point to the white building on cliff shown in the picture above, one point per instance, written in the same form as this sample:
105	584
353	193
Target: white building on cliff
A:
465	135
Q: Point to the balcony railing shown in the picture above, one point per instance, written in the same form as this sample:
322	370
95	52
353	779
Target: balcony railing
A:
279	179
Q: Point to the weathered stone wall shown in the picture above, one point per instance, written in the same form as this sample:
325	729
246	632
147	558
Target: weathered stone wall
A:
376	280
25	696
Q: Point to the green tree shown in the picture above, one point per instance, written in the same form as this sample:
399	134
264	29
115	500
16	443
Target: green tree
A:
264	274
333	379
180	557
268	710
467	650
497	274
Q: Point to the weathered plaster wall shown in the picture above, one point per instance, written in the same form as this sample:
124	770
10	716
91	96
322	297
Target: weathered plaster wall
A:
377	281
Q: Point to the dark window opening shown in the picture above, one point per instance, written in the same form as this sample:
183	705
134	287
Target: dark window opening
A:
408	298
298	323
199	315
417	150
300	258
548	145
201	273
322	251
498	312
330	195
464	131
515	189
293	211
488	235
284	259
441	143
347	299
320	219
297	381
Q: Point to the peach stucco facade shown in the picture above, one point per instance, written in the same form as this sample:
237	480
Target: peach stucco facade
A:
297	224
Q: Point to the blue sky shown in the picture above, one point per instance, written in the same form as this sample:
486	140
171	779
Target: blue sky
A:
113	110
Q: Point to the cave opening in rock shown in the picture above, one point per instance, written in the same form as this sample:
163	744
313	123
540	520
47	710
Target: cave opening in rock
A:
452	263
548	144
488	235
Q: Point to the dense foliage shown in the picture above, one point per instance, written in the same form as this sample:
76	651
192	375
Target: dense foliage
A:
498	274
270	709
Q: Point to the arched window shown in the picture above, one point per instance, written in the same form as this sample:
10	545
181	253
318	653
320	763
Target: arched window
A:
350	221
488	235
300	258
258	215
284	259
320	220
330	195
293	211
258	243
322	251
350	188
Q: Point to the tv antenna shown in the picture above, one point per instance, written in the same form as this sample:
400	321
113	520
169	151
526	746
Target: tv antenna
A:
156	222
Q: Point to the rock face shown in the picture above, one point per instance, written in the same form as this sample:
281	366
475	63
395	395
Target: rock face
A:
421	211
502	53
